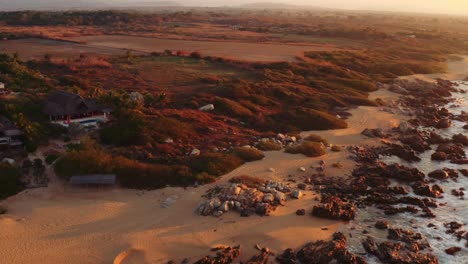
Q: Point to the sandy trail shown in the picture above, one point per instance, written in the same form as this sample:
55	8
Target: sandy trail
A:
248	51
71	225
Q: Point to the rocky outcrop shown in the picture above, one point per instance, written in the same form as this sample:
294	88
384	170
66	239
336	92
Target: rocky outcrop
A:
403	152
378	132
381	224
224	255
391	252
450	152
423	189
460	139
334	251
334	208
247	201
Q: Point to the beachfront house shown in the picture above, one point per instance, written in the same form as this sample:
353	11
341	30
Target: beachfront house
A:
65	108
10	135
94	179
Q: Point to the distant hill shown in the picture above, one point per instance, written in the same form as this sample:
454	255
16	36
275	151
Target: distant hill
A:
270	5
8	5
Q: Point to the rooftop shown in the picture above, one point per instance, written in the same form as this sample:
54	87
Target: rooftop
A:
94	179
6	124
65	103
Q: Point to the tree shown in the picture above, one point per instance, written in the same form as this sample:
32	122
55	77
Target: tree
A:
129	54
10	182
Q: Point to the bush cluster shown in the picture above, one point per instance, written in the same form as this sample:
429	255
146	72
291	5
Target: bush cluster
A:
310	149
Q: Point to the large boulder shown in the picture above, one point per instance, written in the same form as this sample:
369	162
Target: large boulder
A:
439	174
461	139
208	107
334	251
444	123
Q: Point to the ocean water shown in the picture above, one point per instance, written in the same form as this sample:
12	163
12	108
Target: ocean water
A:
455	209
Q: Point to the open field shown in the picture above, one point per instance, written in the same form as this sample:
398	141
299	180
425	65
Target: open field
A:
35	48
231	50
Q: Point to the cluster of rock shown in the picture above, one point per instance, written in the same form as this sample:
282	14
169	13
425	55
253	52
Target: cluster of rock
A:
282	140
333	207
404	246
457	231
224	255
247	201
374	133
334	251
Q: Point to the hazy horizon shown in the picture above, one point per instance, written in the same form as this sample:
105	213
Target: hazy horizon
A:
458	7
433	6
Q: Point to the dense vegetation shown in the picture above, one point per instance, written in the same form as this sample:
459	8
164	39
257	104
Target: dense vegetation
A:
10	182
89	158
149	141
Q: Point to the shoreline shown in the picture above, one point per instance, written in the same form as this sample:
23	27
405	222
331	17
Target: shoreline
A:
64	224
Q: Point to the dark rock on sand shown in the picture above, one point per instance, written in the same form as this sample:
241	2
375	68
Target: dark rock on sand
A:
404	152
328	251
381	224
288	257
378	132
334	208
452	151
389	252
415	141
439	156
444	123
461	139
301	212
435	138
261	258
224	255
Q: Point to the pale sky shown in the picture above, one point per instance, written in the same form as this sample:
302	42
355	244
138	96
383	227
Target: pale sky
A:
437	6
420	6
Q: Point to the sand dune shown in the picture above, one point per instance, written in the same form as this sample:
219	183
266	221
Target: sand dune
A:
61	224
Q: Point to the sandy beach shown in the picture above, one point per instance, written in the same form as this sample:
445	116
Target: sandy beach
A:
68	225
61	224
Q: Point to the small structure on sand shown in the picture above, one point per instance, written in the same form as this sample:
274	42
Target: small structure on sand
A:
94	179
10	135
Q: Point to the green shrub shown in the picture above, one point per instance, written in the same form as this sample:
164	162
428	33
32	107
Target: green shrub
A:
309	119
130	173
231	108
251	182
51	158
310	149
268	146
204	178
336	148
128	128
316	138
248	154
216	164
